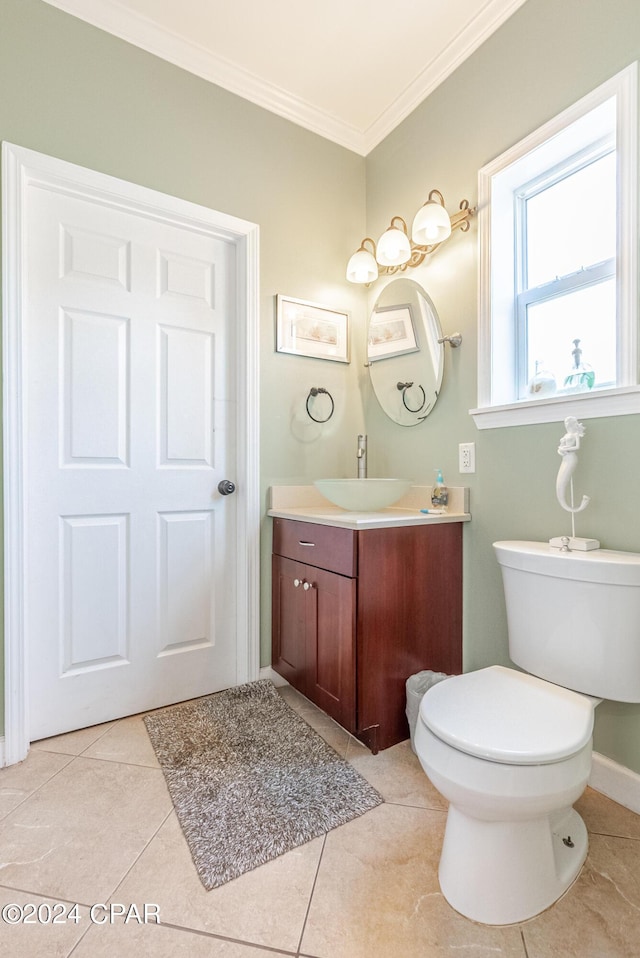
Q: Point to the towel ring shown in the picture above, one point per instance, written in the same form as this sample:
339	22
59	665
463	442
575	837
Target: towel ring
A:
316	391
403	389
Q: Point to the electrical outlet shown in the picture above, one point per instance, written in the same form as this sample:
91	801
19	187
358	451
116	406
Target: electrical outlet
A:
467	457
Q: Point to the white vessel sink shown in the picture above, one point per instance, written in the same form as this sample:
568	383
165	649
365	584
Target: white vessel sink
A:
363	495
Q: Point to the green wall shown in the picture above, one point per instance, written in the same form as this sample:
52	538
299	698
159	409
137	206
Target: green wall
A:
545	57
74	92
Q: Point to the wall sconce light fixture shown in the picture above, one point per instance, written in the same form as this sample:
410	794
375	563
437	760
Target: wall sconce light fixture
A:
394	251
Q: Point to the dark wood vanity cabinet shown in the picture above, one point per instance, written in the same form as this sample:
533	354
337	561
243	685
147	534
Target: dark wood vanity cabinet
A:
355	612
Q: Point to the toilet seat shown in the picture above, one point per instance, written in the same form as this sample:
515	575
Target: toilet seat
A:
509	717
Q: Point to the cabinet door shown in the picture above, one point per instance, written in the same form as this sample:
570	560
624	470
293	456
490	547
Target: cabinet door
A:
409	618
330	636
288	634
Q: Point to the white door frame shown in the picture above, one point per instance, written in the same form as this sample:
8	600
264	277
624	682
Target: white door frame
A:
23	169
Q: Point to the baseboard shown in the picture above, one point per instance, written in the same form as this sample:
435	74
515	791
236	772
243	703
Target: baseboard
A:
268	673
615	781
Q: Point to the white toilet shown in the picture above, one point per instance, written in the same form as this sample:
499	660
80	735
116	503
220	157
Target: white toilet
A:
512	751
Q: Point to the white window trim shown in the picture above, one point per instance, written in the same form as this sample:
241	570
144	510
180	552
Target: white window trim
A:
625	399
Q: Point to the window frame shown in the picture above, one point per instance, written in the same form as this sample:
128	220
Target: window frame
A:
498	353
553	290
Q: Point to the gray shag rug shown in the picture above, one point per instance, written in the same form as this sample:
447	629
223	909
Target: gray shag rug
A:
250	780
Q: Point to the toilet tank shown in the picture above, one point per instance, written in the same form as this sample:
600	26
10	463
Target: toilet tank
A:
574	617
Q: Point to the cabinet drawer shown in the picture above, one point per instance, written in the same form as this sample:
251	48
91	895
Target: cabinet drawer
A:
323	546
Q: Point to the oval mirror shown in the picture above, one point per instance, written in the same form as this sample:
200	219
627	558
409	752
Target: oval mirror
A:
405	359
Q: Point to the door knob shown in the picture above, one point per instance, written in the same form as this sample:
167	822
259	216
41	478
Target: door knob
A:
226	487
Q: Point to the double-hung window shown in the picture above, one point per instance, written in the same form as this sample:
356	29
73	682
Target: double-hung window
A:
558	277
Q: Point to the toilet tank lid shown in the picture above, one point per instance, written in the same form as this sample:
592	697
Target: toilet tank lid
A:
600	565
509	717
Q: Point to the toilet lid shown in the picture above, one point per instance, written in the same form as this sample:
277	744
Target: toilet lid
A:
507	716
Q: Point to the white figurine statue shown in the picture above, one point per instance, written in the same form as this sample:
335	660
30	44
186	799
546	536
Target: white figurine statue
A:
569	443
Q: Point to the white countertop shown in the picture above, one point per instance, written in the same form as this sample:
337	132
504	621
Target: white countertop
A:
307	504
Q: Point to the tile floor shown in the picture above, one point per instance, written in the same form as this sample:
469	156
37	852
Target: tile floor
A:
87	819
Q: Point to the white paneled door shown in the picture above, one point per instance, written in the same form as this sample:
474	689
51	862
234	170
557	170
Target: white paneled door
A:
130	385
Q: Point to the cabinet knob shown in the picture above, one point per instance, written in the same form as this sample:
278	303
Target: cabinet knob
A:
307	585
297	582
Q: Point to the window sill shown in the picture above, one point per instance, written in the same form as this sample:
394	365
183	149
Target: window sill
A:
606	402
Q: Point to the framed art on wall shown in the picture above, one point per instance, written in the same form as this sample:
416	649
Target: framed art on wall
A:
310	329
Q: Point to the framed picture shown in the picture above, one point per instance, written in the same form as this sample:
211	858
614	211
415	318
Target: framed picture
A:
309	329
392	332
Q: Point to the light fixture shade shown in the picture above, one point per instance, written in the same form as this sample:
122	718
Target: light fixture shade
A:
362	267
431	224
393	248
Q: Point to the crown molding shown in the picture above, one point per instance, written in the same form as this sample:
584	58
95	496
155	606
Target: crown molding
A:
115	18
466	42
111	16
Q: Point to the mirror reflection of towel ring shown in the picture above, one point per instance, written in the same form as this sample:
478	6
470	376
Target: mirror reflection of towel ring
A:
317	391
403	389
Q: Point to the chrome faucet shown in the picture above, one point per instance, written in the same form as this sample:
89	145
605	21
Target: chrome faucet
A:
362	457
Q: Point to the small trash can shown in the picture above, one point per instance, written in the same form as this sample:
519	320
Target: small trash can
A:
417	685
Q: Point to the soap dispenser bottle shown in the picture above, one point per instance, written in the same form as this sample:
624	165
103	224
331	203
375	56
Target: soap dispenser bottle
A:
439	493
